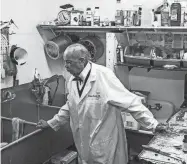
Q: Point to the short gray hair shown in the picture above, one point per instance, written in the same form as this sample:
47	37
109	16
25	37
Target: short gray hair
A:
78	50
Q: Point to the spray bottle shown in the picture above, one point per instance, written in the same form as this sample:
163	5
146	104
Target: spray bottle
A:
165	14
175	13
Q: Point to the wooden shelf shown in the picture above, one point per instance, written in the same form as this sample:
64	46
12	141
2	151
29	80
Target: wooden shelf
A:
114	29
150	67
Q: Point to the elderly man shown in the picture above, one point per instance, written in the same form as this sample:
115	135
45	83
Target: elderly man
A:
95	101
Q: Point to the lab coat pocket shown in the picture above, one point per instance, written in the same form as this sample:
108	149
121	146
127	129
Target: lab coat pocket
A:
94	109
101	151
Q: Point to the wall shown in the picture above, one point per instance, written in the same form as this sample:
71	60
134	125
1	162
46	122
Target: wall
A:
28	13
162	85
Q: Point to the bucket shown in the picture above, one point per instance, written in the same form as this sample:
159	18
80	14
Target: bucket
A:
94	46
55	48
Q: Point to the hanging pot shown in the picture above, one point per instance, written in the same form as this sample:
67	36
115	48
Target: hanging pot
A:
94	46
55	48
18	55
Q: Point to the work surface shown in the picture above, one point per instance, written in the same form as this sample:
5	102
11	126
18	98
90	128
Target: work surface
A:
170	142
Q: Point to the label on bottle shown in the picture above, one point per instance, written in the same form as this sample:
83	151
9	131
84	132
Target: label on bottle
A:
164	18
96	20
174	15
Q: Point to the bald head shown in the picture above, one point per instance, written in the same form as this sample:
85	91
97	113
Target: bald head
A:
77	51
76	57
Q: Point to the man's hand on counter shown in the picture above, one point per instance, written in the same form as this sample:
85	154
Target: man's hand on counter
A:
42	124
161	128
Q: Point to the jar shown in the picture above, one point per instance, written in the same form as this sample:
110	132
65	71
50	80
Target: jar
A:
185	144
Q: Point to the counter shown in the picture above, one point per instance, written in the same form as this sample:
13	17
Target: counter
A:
170	142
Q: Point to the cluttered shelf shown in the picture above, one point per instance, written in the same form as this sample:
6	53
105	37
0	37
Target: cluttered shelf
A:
114	29
130	66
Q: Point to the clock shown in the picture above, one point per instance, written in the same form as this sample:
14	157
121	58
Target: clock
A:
64	17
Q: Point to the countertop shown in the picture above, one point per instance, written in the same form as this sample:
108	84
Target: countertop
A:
170	142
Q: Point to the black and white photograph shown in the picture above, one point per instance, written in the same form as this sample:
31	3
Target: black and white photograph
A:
93	81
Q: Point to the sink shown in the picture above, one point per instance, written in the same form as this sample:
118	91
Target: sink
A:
27	111
40	144
163	113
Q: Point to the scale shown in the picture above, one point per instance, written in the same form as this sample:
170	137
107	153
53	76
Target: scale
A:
64	16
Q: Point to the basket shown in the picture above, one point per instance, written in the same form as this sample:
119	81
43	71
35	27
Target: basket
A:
162	62
55	48
137	60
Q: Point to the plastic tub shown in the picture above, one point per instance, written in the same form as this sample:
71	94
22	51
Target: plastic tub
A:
137	60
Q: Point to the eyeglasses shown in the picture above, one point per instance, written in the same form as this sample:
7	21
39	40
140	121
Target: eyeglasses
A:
72	61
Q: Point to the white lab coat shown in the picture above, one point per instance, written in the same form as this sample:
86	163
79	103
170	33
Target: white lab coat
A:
96	120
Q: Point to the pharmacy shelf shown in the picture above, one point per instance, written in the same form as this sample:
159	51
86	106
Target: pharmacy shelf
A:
114	29
130	66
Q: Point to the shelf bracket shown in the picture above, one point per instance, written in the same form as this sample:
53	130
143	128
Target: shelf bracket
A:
53	32
148	69
130	67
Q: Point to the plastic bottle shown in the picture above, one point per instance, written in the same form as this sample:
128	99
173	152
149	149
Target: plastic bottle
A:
165	14
119	18
121	55
89	17
139	17
185	144
175	14
96	19
185	17
118	53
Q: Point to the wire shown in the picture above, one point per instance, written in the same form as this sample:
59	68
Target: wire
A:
55	91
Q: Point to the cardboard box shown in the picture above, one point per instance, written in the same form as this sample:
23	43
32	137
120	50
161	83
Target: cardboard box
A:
129	122
65	157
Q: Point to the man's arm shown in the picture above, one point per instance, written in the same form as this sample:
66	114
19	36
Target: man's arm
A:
123	99
60	118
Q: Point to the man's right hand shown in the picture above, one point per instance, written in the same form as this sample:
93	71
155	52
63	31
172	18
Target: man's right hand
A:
42	124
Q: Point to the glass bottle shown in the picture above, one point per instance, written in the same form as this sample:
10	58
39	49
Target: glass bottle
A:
96	21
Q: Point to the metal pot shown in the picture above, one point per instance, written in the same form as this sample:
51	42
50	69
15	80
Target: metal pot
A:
94	46
18	55
55	48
